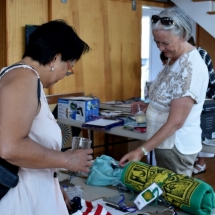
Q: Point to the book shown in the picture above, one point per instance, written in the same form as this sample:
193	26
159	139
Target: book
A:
103	124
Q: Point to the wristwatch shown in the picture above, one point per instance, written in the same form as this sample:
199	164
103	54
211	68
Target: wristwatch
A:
145	152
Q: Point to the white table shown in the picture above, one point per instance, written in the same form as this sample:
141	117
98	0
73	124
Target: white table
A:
205	148
119	131
93	192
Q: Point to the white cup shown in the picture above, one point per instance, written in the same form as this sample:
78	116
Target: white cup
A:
140	117
81	143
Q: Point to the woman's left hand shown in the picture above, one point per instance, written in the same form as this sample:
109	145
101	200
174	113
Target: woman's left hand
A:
135	155
66	198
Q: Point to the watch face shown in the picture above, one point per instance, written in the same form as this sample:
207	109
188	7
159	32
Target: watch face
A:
145	152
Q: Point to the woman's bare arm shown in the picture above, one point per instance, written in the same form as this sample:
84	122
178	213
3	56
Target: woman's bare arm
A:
179	111
18	107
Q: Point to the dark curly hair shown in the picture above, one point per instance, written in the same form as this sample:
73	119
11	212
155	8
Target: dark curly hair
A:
55	37
163	57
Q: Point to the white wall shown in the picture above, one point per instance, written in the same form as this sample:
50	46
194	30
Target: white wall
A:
198	12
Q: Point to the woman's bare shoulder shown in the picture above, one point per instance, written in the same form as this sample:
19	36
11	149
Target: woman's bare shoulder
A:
18	83
17	75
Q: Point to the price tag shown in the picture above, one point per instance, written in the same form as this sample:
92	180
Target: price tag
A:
148	195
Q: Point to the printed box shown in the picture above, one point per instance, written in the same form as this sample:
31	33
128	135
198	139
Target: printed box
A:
78	108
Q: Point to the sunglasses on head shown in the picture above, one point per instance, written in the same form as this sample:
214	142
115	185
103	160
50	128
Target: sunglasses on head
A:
164	20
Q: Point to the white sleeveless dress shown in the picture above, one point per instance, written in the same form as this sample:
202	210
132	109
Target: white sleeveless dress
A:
38	192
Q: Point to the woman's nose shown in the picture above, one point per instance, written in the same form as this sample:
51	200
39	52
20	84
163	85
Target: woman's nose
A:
161	48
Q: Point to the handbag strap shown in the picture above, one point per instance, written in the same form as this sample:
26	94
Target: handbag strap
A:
12	168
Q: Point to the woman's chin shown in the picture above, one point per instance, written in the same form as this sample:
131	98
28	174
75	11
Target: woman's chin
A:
50	85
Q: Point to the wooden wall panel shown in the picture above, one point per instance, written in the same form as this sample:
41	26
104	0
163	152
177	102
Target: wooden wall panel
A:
207	42
125	40
112	68
3	51
18	14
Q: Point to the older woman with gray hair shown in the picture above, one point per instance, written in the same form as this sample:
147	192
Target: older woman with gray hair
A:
176	95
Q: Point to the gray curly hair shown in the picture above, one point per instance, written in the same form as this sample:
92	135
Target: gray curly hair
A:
182	27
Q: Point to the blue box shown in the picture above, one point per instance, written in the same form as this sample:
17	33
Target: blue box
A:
78	108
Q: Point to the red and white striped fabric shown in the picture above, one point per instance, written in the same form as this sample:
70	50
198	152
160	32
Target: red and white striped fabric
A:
89	208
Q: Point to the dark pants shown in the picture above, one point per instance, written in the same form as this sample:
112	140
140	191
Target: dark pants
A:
173	160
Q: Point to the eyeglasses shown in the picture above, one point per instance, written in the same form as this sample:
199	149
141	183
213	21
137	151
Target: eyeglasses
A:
164	20
70	70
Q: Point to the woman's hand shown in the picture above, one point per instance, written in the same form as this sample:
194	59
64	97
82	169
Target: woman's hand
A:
143	107
79	160
135	155
66	198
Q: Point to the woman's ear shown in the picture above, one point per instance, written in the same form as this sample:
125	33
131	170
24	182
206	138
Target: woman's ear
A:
57	57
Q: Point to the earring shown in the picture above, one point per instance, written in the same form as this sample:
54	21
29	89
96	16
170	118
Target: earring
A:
52	68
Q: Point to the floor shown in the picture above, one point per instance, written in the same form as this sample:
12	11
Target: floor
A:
209	175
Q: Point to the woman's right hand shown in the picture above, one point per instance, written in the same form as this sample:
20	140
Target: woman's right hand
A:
134	155
79	160
134	107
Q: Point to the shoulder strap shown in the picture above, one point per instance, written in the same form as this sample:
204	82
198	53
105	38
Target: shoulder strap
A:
10	67
38	81
38	90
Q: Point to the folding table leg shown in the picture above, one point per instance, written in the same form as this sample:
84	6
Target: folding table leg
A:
106	144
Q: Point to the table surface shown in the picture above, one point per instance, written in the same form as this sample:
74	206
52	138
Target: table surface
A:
119	131
205	148
93	192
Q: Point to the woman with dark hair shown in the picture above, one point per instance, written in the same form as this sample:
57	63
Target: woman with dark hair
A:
30	138
163	58
176	101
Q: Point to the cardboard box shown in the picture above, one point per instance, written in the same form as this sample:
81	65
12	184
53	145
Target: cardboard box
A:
78	108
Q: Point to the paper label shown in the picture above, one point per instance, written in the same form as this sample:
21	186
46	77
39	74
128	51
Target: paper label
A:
148	195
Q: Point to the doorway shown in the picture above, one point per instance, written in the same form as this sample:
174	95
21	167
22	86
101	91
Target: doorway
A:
150	54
